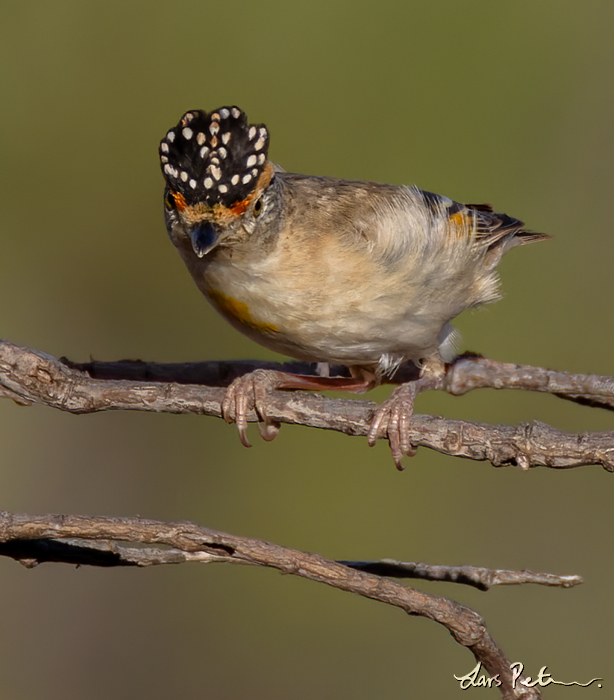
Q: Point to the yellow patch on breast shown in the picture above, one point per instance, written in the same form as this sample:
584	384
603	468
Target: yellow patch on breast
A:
239	311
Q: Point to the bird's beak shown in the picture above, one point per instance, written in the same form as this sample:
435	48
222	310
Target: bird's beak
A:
204	238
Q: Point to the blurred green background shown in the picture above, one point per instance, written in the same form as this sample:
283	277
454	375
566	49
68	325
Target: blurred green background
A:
509	103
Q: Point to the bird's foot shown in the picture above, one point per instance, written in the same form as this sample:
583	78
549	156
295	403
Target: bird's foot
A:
392	420
250	391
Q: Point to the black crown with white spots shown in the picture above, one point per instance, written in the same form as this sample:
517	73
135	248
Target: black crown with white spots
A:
214	158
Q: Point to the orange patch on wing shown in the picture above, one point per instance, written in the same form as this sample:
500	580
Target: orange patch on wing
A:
460	218
239	311
462	225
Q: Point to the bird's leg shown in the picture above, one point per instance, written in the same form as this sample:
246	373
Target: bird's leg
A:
392	419
250	391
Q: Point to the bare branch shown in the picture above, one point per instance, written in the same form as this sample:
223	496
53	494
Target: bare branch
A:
188	542
29	376
467	373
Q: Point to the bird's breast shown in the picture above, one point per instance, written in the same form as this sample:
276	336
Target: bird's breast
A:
319	301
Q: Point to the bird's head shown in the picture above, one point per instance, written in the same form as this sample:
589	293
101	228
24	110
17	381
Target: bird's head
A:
217	173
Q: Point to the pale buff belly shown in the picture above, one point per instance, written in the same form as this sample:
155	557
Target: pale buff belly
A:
336	320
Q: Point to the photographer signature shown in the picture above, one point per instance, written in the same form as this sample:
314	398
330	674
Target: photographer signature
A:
473	679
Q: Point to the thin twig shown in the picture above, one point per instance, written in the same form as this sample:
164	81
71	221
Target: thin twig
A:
193	543
30	377
475	576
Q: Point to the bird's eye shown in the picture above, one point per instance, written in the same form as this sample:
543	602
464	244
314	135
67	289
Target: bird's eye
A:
258	207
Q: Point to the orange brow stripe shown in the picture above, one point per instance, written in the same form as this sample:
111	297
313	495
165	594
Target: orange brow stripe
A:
180	202
240	207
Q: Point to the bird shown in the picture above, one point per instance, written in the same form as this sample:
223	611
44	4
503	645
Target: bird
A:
354	273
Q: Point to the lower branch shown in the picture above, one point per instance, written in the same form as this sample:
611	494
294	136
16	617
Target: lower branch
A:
26	537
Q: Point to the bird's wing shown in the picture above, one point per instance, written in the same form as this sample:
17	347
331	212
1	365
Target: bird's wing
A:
481	222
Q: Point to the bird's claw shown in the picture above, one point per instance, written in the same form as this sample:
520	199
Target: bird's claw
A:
392	420
246	393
